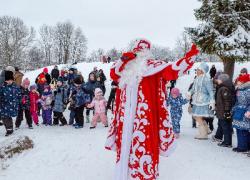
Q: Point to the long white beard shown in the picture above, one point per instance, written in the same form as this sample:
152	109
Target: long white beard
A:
134	70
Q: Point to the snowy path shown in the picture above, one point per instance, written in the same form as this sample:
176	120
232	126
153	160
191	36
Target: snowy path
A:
63	153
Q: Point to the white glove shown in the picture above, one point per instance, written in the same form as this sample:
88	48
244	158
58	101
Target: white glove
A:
212	106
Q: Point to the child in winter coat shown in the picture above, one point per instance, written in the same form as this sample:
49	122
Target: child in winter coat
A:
46	101
176	101
34	97
90	89
60	102
10	98
99	103
24	106
78	100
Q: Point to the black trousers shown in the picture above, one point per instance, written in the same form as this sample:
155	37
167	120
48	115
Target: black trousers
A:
20	117
210	121
111	100
79	116
88	111
8	123
224	130
58	116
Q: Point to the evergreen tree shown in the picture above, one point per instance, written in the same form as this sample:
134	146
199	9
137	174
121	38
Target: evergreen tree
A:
224	30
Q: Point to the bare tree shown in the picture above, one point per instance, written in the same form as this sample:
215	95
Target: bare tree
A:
96	55
46	33
15	38
36	58
78	46
63	39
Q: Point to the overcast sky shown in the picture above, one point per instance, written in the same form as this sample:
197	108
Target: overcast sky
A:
110	23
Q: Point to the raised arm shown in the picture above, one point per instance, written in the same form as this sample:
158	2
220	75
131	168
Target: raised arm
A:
180	67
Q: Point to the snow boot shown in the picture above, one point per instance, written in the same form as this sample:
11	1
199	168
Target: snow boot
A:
202	132
225	145
216	139
239	150
92	127
78	127
8	133
87	119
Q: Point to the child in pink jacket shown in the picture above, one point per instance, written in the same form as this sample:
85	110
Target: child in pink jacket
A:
99	103
34	97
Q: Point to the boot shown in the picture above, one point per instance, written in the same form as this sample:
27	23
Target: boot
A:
202	132
207	127
87	119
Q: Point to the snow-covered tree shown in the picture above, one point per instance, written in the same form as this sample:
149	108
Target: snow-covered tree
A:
46	34
114	54
78	46
224	30
161	53
15	38
96	55
63	40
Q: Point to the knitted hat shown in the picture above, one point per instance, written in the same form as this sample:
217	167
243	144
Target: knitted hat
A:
243	70
175	91
244	78
98	91
203	67
78	81
223	77
9	75
33	86
26	82
45	70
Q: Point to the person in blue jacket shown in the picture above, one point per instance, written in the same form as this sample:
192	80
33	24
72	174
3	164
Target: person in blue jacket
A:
10	98
176	101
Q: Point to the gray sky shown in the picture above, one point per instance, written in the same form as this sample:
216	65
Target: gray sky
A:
110	23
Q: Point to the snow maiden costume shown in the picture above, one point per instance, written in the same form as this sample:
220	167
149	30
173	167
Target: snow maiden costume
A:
141	130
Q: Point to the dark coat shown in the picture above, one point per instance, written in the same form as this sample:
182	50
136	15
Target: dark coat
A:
101	86
212	72
10	98
55	73
90	88
78	97
224	98
47	77
25	102
60	99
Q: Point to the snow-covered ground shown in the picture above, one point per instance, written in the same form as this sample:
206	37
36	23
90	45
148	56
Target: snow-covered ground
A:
64	153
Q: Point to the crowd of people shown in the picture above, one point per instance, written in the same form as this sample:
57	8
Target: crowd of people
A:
208	97
51	95
216	96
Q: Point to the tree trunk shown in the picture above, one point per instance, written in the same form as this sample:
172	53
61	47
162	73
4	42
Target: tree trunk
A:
228	66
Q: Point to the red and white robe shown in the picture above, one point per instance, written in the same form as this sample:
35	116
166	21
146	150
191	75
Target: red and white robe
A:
141	130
